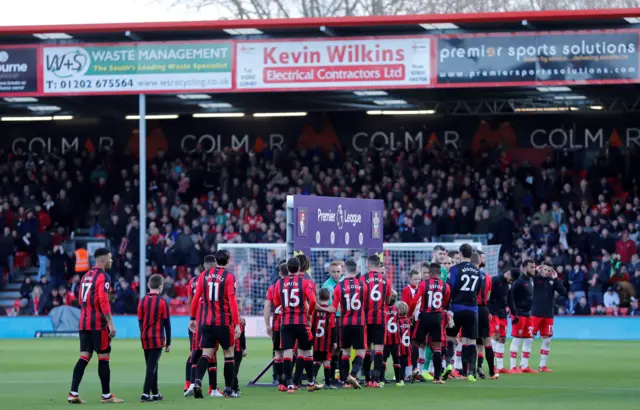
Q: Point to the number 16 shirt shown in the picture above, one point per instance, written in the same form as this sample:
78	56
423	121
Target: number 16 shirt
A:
351	294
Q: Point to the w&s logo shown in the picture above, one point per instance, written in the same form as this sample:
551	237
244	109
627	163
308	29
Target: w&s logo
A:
65	62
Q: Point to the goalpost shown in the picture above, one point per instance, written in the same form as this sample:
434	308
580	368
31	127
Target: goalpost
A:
255	265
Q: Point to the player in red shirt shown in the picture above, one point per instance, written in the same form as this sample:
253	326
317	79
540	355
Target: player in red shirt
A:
483	343
153	316
324	342
375	308
392	338
96	327
349	296
195	340
296	297
404	345
220	320
239	352
273	328
407	296
434	295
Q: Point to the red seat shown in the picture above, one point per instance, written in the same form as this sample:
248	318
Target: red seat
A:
22	260
623	311
593	311
609	311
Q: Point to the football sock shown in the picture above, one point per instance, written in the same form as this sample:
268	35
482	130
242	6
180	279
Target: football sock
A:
187	372
526	352
308	364
356	365
544	352
428	354
213	373
378	366
451	347
464	359
499	351
229	371
472	352
277	365
493	345
513	350
458	361
195	358
344	371
201	369
287	369
328	374
422	352
334	365
488	350
78	372
366	366
480	360
104	372
237	361
437	364
396	372
297	374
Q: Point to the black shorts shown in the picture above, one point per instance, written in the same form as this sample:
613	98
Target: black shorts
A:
428	324
375	334
484	323
95	341
276	340
353	337
467	320
290	334
213	336
321	356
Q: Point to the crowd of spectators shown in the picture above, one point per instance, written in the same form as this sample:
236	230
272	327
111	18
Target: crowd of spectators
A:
587	223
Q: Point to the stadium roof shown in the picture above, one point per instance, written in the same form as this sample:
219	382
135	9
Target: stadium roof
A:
452	101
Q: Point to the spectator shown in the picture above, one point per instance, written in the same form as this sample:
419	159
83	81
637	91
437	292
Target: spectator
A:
35	307
543	215
67	297
7	250
634	309
577	282
583	308
626	248
26	288
611	298
126	299
58	265
572	303
45	247
169	289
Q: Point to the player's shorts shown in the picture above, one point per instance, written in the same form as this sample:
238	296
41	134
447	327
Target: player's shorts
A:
466	322
213	336
195	341
498	326
428	324
353	337
290	334
375	334
319	356
276	340
95	341
484	322
544	325
523	328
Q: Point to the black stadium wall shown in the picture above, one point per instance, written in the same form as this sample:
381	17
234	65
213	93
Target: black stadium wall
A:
342	131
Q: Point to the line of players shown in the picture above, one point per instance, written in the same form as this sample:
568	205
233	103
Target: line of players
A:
456	301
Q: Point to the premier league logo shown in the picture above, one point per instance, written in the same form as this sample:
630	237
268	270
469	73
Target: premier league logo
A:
302	222
340	217
375	225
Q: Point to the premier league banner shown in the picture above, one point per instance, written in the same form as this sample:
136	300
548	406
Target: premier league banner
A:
510	59
337	223
18	71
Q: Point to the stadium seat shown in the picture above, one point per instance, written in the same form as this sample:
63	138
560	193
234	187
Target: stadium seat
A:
593	311
609	311
22	260
623	311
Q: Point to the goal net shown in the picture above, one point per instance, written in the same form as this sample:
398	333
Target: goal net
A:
255	266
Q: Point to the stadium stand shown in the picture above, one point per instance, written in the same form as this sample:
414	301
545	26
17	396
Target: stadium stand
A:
584	222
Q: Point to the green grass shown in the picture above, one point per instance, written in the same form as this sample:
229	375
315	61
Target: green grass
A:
35	374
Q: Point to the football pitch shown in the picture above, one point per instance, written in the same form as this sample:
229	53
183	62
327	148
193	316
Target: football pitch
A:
35	374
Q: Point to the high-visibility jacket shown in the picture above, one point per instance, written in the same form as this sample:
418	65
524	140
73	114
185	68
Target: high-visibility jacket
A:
82	260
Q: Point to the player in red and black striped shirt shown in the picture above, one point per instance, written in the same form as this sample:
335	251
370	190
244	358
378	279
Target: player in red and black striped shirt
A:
220	320
195	340
295	295
239	352
349	296
434	295
96	326
404	347
324	342
273	328
392	336
483	343
375	308
153	316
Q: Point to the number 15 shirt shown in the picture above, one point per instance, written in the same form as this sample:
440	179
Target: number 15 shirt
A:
293	293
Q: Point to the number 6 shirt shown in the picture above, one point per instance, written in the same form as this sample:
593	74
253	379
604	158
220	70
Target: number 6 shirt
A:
293	294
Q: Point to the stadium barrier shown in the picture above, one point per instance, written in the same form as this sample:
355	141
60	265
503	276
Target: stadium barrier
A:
567	328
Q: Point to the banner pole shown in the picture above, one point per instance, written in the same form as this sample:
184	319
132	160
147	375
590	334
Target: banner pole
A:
142	144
